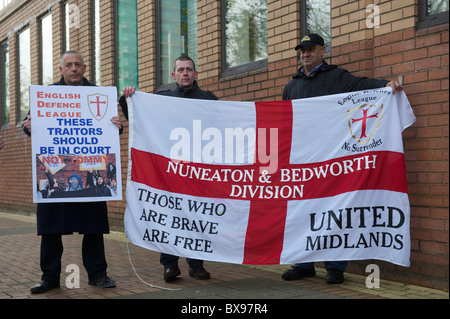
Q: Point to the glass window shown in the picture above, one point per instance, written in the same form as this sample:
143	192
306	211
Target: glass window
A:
4	84
433	12
4	3
245	32
318	20
127	44
71	14
66	27
177	35
97	41
24	80
46	50
437	6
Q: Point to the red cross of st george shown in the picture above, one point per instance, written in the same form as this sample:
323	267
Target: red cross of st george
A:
267	217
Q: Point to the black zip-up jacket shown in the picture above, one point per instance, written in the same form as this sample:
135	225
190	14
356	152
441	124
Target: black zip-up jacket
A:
193	93
327	79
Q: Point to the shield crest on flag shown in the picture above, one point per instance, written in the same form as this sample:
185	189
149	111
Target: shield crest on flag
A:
363	121
98	105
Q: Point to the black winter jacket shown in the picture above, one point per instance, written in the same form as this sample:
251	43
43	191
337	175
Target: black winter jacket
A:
328	79
193	93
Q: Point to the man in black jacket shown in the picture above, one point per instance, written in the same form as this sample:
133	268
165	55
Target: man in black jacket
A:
88	218
185	74
317	78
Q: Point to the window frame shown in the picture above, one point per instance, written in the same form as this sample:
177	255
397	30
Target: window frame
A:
304	26
159	85
65	30
426	21
4	76
95	78
18	114
40	55
116	48
239	69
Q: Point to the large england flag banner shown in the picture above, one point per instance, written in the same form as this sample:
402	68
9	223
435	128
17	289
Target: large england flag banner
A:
270	182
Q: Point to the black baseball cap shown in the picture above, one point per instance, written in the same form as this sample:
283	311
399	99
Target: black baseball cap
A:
310	40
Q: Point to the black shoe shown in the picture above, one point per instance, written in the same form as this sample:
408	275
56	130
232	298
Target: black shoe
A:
335	276
171	273
44	286
296	273
103	282
199	273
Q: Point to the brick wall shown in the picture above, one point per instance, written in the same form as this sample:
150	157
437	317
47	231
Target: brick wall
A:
419	58
15	158
395	51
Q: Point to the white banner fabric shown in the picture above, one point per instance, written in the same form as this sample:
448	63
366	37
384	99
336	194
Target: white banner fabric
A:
280	182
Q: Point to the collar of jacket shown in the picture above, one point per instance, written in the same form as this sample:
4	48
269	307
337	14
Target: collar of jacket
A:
63	82
184	91
325	67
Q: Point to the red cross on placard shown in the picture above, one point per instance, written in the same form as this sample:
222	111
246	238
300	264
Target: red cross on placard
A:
267	217
98	102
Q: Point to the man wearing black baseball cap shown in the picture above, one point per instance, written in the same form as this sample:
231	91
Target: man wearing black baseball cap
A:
310	41
317	78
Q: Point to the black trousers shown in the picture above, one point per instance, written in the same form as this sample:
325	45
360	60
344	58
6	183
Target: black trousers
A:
93	252
168	261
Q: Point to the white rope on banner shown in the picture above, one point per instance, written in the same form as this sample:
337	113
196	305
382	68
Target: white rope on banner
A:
134	269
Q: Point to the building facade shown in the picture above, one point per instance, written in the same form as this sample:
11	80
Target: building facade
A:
244	50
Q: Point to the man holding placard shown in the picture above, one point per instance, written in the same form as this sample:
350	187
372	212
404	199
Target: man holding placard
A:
65	217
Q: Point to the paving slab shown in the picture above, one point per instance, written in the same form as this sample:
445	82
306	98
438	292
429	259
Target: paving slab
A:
139	277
